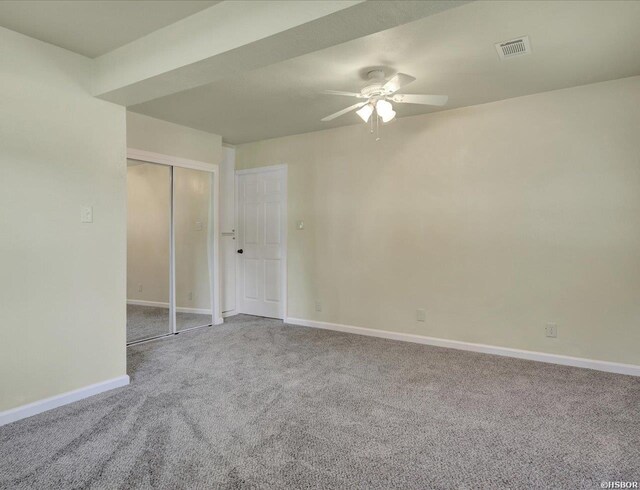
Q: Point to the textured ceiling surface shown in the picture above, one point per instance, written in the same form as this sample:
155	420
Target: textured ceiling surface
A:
573	43
93	27
451	53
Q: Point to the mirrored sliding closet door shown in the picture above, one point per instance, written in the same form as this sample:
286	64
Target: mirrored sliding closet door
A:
170	249
193	257
148	250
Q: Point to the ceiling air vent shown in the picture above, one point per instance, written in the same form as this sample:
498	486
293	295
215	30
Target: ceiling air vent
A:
513	48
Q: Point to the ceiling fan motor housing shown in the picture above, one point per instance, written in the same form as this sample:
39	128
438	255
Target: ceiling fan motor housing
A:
375	86
371	91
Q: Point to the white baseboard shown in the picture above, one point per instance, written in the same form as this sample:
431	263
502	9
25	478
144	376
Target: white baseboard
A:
201	311
56	401
226	314
610	367
159	304
142	302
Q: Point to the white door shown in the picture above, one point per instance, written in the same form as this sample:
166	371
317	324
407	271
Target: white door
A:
261	242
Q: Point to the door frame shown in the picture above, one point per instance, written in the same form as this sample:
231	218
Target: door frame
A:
283	217
214	169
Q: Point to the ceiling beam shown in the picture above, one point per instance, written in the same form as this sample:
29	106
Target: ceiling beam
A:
236	36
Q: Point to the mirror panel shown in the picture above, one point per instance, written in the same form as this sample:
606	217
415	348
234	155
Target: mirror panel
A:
148	250
192	225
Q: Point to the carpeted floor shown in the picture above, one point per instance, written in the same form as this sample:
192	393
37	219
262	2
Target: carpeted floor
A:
144	322
258	404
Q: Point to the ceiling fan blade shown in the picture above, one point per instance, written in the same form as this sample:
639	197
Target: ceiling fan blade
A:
397	82
438	100
340	92
343	111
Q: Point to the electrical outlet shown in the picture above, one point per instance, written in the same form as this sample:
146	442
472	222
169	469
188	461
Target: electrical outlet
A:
190	295
139	288
551	330
318	306
421	315
86	214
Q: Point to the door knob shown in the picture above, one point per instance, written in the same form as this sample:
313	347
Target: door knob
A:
240	251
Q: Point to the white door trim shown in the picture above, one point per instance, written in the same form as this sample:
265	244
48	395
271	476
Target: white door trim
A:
259	170
284	213
214	168
149	156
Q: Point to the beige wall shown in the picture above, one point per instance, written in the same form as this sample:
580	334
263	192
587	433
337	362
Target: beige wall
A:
496	219
148	215
151	134
62	282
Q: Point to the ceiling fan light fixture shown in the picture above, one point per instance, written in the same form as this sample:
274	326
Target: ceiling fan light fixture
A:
388	116
385	110
383	106
365	112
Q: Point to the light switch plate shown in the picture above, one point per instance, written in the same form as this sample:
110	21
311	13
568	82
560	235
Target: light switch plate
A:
86	214
198	225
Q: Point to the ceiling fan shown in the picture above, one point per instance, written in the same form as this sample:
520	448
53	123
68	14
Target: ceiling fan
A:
379	95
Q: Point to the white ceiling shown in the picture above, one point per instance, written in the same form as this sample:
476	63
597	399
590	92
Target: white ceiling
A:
573	43
93	27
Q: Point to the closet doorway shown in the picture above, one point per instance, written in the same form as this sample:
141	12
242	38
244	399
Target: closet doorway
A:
172	245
